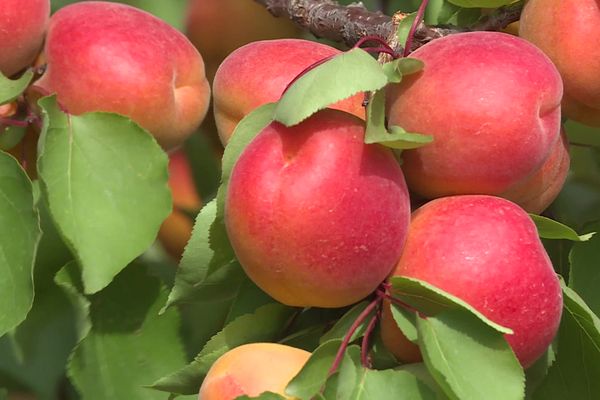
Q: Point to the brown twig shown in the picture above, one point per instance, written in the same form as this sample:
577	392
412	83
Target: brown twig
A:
348	24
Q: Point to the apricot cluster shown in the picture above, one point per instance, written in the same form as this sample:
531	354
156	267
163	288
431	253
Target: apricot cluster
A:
318	218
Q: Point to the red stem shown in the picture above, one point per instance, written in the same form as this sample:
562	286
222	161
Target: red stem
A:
364	347
399	302
13	122
413	28
359	320
305	70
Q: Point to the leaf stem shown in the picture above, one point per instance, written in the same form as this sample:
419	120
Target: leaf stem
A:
359	320
364	346
413	28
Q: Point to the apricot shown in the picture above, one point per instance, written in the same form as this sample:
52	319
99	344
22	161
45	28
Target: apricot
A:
252	369
111	57
218	27
486	251
22	28
315	216
492	103
259	72
564	30
176	230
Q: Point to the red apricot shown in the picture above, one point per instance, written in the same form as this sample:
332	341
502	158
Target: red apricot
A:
315	216
486	251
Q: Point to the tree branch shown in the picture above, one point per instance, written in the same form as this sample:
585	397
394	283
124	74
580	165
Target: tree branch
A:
347	24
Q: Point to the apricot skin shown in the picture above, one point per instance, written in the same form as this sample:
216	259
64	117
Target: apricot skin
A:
492	103
176	230
112	57
252	369
486	251
315	216
22	28
218	27
259	72
565	31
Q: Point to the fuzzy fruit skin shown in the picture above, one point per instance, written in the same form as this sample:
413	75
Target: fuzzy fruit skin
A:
218	27
22	28
315	216
176	230
486	251
492	103
112	57
259	72
251	369
564	30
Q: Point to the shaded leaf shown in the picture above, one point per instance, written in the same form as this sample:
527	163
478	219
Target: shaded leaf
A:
585	270
19	238
551	229
264	325
574	374
406	321
376	131
341	327
129	345
481	3
262	396
315	372
207	270
11	89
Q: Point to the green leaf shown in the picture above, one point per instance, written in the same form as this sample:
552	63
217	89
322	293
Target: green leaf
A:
207	270
431	300
19	237
440	12
536	374
406	321
409	66
264	325
336	79
69	279
355	382
468	359
574	374
585	271
10	90
380	384
341	327
315	372
262	396
11	136
404	28
129	345
36	353
105	180
481	3
376	131
551	229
